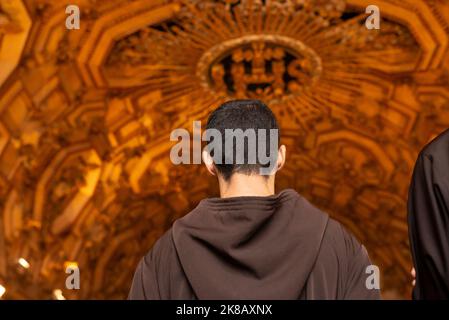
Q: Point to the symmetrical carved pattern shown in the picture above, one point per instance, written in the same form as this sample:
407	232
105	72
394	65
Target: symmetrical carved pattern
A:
85	118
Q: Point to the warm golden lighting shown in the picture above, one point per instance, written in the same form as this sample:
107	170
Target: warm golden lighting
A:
70	264
57	293
86	116
24	263
2	291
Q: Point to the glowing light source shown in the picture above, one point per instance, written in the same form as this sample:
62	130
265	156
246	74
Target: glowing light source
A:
70	264
57	293
2	290
24	263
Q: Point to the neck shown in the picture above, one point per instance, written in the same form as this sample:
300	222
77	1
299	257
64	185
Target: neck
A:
241	185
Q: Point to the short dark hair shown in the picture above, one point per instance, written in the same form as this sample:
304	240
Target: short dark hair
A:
242	114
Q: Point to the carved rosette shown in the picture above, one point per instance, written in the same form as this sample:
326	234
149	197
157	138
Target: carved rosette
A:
263	66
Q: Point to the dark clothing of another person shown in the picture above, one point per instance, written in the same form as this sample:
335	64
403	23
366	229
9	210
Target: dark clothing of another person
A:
275	247
428	218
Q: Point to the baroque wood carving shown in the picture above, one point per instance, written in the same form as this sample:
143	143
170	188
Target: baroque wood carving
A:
85	118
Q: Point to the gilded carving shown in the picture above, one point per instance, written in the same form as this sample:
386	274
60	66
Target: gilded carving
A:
85	118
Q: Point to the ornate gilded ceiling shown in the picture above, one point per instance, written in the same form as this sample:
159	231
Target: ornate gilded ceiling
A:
85	118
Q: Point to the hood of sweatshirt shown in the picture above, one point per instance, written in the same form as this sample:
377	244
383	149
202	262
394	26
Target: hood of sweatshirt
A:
250	247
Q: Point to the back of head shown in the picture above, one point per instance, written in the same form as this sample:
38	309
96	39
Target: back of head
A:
249	122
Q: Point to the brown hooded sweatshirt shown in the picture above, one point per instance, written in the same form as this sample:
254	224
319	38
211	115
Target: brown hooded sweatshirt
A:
275	247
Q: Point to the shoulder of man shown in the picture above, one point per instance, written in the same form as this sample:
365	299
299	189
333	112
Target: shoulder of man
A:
146	277
161	248
359	277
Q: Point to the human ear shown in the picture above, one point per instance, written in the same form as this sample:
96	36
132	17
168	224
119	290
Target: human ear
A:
281	157
208	162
